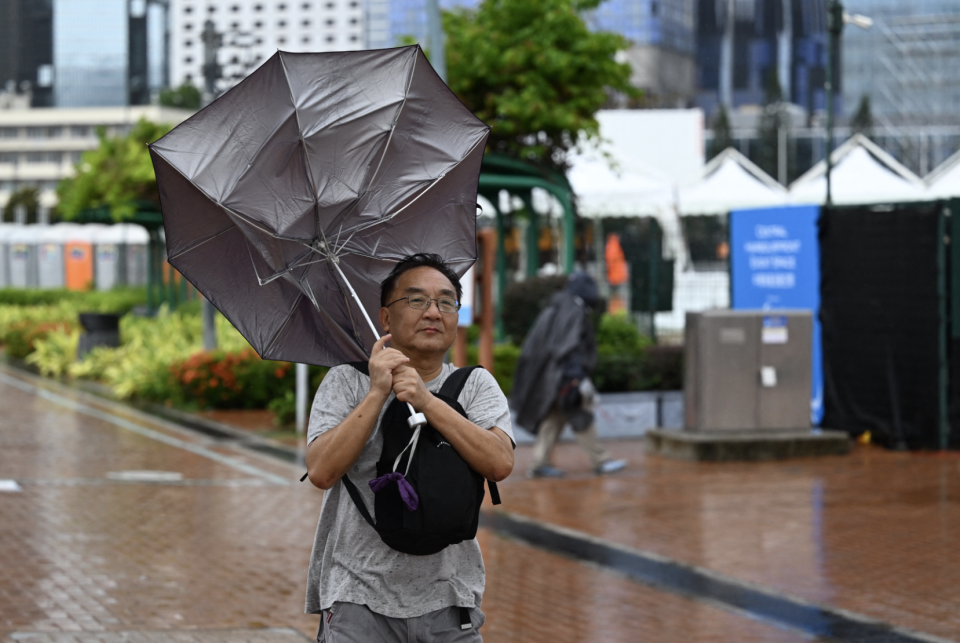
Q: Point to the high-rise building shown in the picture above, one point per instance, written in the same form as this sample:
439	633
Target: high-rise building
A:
401	19
662	45
907	63
83	53
26	51
747	47
661	35
253	30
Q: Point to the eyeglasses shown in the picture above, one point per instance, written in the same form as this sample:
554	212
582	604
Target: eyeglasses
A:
419	302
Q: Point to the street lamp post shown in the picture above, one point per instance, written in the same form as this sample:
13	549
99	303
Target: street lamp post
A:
836	19
834	29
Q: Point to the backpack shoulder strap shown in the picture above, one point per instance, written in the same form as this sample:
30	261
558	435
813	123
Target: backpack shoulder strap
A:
451	389
357	500
363	367
454	385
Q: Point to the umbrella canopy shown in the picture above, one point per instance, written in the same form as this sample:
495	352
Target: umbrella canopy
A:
730	182
316	169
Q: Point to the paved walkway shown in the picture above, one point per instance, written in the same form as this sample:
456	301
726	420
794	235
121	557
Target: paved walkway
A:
128	528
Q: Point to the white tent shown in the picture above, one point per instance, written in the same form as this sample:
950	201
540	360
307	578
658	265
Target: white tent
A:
614	188
609	186
944	181
730	181
862	174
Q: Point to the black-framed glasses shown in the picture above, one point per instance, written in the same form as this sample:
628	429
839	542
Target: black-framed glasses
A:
419	302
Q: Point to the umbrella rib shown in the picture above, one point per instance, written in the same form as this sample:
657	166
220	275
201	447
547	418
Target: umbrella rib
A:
256	153
197	245
286	321
256	224
303	150
228	209
393	128
414	200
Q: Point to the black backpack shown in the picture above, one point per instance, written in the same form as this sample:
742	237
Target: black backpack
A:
449	491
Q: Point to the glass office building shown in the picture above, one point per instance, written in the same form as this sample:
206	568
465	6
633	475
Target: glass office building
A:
665	23
26	53
393	20
108	52
90	52
908	62
784	40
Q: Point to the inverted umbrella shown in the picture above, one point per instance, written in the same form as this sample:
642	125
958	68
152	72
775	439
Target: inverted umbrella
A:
290	198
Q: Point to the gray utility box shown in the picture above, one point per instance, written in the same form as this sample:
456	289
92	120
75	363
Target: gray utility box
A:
748	370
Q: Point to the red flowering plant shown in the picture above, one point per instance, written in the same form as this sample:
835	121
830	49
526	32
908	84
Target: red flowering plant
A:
239	380
20	339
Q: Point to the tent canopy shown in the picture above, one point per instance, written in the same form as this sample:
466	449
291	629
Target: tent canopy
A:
863	174
612	187
944	181
730	181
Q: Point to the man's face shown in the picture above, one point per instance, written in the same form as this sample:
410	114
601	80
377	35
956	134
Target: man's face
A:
420	331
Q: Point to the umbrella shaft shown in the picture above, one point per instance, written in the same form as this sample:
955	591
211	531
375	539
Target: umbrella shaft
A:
373	329
417	418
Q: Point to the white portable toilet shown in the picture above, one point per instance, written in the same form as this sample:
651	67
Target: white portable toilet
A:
22	250
107	257
5	230
120	255
51	268
136	239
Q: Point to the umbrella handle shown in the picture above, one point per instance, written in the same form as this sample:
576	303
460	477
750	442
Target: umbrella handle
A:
416	419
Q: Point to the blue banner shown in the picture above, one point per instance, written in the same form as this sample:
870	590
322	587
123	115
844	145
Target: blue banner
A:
775	263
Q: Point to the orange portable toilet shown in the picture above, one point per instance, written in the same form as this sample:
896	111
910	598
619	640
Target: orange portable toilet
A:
78	256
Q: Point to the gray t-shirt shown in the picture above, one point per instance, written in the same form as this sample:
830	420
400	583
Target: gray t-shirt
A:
350	563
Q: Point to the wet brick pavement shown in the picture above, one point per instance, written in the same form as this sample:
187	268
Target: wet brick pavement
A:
264	635
224	551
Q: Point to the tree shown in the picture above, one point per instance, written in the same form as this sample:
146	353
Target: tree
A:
862	121
535	73
186	96
27	197
722	135
117	175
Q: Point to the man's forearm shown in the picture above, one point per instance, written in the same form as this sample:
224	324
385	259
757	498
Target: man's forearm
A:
332	454
488	452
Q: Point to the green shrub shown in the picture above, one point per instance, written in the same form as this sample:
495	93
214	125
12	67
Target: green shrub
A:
617	334
284	409
505	357
118	300
54	353
620	352
21	337
664	367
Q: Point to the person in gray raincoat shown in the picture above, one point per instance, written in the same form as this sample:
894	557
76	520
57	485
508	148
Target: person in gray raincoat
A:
551	386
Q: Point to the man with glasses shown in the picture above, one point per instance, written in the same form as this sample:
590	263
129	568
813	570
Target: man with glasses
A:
363	589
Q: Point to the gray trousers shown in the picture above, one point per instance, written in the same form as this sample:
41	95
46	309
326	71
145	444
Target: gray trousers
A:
352	623
550	430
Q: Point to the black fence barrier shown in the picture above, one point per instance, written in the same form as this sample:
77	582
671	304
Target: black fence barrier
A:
884	314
